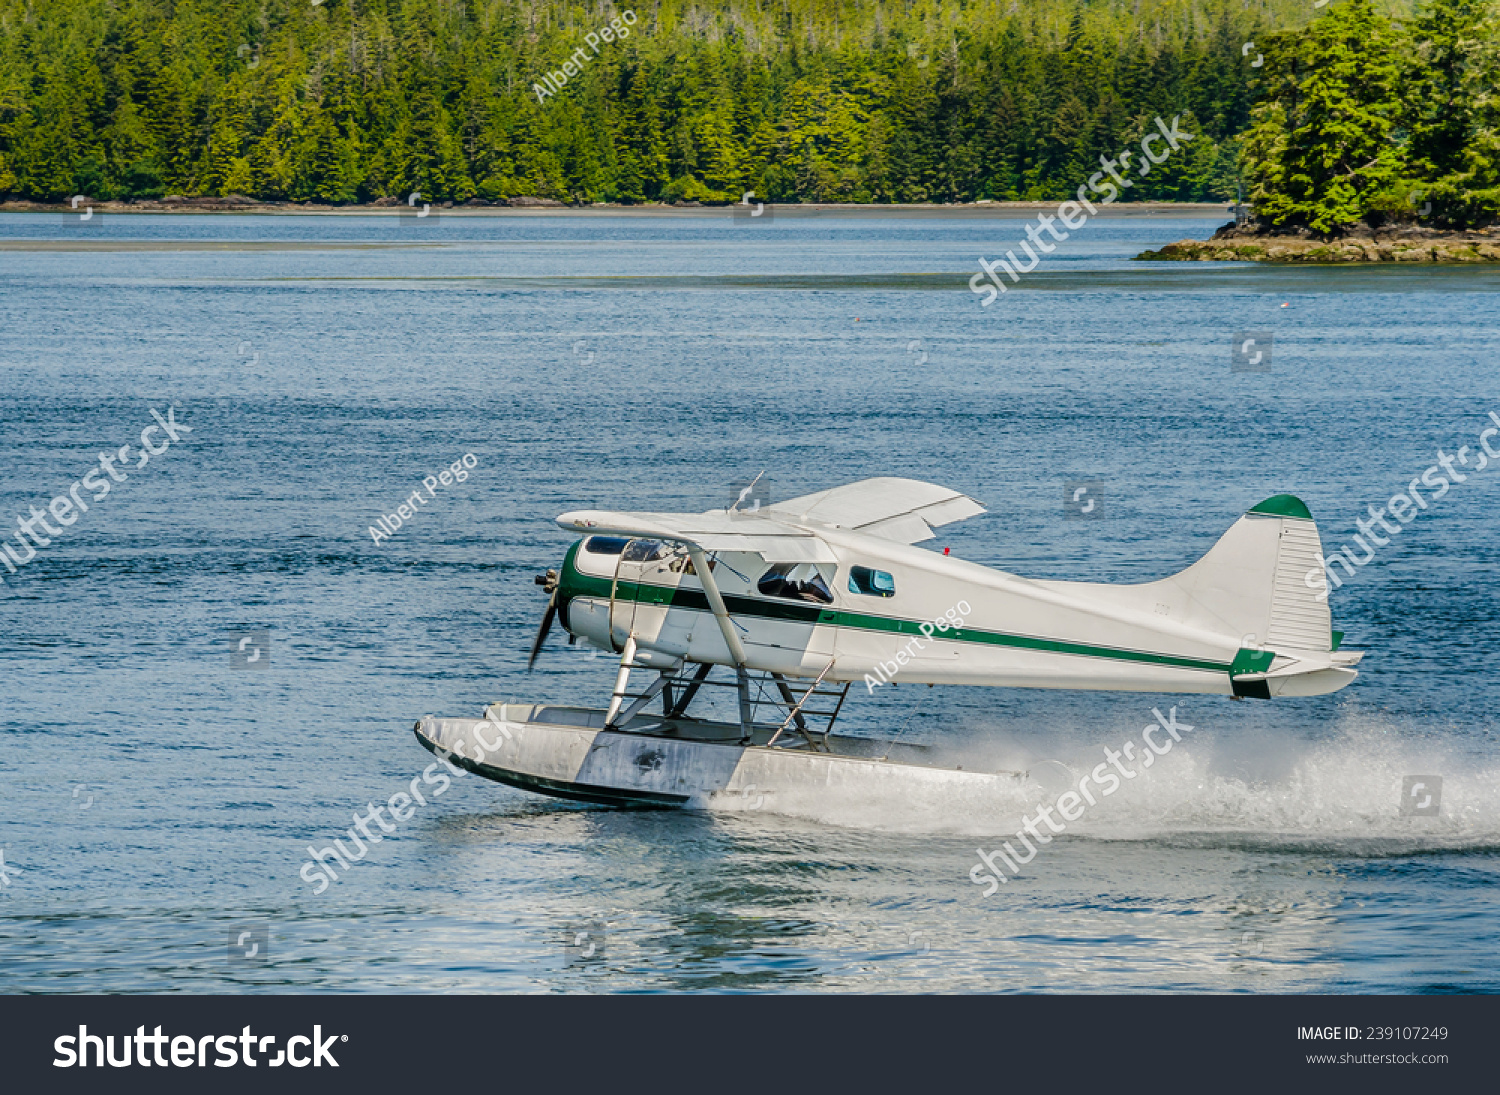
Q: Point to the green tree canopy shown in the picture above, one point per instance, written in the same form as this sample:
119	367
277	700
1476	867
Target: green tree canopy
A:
1367	118
798	100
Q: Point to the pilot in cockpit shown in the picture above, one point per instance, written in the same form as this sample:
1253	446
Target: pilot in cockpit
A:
799	582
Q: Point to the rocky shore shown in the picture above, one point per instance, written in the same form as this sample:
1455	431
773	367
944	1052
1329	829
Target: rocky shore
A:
1396	243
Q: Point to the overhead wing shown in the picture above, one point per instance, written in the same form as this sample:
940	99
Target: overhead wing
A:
903	510
716	530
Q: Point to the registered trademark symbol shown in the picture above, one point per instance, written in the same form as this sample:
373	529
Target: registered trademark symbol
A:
344	1037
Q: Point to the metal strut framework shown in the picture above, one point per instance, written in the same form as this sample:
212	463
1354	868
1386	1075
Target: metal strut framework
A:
795	703
770	703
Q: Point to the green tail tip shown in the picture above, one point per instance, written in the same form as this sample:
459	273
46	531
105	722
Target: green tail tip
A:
1284	505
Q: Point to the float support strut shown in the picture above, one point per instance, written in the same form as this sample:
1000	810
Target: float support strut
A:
622	680
681	706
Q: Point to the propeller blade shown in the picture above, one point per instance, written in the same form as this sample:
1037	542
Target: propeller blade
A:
541	632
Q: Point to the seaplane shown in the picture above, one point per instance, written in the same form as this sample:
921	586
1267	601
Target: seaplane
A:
795	603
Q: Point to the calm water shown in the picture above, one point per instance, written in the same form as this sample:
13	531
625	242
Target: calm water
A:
156	800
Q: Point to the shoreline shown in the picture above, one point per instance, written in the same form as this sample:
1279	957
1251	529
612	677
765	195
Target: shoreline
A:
1399	244
538	207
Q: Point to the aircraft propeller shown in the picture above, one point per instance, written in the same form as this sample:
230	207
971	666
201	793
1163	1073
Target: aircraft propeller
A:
548	582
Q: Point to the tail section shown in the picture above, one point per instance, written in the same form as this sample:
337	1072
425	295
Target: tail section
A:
1256	606
1255	582
1264	583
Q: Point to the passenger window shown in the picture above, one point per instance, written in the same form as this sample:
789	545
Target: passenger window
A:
796	582
605	545
872	583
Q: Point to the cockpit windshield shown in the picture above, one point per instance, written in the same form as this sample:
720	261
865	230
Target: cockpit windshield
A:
605	545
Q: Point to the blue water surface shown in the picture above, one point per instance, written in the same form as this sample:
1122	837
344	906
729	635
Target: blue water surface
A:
158	797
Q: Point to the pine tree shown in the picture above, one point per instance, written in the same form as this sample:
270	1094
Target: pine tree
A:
323	166
426	152
1323	143
1453	160
1437	113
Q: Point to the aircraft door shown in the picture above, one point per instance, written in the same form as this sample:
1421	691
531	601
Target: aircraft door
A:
647	574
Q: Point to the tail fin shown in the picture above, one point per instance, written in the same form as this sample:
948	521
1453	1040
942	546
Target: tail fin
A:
1263	581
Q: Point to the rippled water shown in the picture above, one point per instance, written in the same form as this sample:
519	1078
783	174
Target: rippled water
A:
156	801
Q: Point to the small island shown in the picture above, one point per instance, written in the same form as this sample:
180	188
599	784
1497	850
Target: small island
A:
1359	243
1374	140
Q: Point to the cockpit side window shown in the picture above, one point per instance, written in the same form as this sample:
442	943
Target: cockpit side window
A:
796	582
605	545
644	551
872	583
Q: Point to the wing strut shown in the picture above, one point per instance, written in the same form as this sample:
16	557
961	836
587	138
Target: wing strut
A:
731	637
716	602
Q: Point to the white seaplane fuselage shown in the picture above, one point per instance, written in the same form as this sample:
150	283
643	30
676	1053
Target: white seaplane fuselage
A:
1250	618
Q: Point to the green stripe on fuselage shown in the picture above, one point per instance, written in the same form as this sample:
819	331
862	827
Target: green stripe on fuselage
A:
576	584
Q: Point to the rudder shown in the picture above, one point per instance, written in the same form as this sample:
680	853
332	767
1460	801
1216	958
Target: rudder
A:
1255	584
